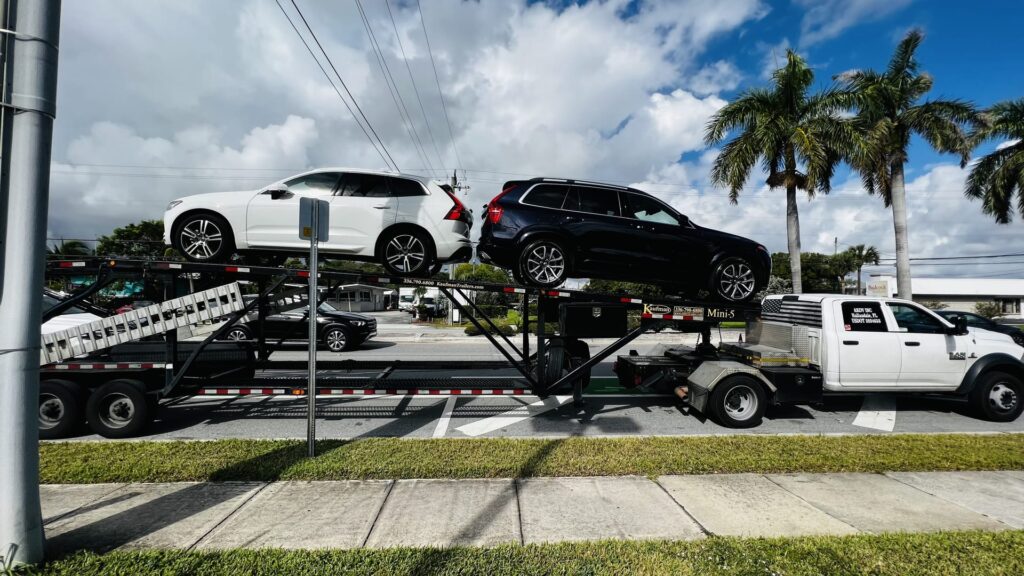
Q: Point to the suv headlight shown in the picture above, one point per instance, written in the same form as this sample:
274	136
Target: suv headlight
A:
358	323
172	204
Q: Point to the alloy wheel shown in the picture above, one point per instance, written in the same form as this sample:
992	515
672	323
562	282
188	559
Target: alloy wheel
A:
237	335
1003	398
51	410
405	253
336	340
545	263
736	281
741	403
117	410
201	238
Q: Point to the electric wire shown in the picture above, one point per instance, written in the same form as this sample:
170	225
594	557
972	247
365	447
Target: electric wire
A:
437	80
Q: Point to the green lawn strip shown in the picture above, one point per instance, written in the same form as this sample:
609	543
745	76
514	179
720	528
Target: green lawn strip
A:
94	462
951	553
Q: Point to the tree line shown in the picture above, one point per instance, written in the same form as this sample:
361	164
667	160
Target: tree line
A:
866	119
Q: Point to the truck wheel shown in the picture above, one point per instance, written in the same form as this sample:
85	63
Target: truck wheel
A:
555	362
998	396
118	409
738	402
60	409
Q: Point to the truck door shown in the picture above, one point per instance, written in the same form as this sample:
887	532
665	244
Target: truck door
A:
930	357
869	354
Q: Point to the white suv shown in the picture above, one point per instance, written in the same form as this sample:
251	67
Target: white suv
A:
408	223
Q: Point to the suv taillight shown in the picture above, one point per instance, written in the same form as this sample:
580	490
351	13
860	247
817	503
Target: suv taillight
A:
458	212
494	210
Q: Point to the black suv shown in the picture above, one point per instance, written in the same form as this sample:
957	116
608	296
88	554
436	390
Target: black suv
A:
978	321
546	230
338	330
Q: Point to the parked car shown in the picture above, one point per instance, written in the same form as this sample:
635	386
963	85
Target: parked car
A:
547	230
978	321
338	331
407	223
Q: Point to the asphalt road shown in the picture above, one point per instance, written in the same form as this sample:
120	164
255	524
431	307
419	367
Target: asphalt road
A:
529	416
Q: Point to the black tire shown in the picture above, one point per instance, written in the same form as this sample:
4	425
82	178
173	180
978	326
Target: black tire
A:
556	361
579	352
739	401
237	334
733	280
543	263
118	409
406	252
998	396
60	409
204	237
337	338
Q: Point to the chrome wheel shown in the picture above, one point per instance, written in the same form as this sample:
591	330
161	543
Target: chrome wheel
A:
51	411
237	334
201	238
405	253
741	403
116	410
336	340
736	281
1003	398
545	264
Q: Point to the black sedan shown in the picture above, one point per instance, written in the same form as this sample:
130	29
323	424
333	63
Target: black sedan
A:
977	321
547	230
337	330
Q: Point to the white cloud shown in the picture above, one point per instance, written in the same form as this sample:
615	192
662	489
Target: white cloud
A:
1007	144
716	77
826	19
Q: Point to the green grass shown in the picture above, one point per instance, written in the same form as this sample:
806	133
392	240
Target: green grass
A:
93	462
974	553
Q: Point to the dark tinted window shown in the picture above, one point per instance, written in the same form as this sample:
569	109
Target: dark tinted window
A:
364	186
547	195
597	200
404	187
318	182
916	320
646	208
863	317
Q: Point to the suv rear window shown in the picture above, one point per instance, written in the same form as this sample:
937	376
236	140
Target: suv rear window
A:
363	185
546	195
404	187
594	201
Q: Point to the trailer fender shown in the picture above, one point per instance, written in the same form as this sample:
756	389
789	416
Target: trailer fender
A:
997	361
704	379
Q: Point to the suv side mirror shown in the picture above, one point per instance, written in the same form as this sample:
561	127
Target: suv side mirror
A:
278	192
959	326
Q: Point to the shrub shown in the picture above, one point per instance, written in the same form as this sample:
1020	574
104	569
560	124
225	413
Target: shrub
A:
988	309
503	326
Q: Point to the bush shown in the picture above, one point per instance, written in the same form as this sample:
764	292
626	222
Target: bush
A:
503	326
514	318
988	309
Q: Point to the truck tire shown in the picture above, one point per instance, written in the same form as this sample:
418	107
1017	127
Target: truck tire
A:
739	401
555	363
60	409
998	396
119	409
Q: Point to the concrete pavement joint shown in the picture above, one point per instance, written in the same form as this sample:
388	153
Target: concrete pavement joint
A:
934	495
704	530
115	488
228	515
805	501
376	517
519	511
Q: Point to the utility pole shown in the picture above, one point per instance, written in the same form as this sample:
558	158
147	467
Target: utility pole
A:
23	206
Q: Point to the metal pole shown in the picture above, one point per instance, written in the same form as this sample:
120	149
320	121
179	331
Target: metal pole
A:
313	306
24	200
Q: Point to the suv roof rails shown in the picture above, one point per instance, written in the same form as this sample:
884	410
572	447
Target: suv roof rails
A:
587	182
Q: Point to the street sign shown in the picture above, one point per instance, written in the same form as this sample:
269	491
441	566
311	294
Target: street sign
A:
306	207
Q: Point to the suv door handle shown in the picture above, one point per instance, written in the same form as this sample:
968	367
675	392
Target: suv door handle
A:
382	207
850	342
911	343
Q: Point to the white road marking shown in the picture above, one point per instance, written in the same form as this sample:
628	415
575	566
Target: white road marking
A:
878	412
446	416
511	417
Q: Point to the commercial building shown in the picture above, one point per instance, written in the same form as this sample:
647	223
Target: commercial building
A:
959	293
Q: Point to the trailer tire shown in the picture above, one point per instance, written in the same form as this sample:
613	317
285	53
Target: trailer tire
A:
555	362
119	409
739	401
60	409
998	396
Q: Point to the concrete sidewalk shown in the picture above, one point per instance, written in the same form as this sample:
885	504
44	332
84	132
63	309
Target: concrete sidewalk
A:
381	513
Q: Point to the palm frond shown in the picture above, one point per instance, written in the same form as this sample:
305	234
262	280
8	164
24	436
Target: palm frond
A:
746	111
903	63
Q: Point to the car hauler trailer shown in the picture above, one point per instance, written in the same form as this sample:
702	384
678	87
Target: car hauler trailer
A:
734	383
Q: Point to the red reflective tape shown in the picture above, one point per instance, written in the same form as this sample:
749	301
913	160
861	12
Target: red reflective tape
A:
392	391
646	315
508	289
71	264
687	317
347	391
303	273
122	366
477	392
666	317
231	268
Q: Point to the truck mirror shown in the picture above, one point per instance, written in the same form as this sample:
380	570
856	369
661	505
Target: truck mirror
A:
959	325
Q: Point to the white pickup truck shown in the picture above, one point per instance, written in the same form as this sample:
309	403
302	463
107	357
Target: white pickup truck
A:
804	347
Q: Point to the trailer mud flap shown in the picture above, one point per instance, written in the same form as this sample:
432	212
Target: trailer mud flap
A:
698	397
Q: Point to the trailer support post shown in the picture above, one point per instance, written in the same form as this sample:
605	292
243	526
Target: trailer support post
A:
541	344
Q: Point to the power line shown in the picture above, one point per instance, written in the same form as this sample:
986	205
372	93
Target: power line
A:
963	257
408	68
437	80
396	94
328	76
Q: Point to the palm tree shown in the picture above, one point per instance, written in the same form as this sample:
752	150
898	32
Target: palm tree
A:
68	248
889	113
998	175
787	130
859	256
